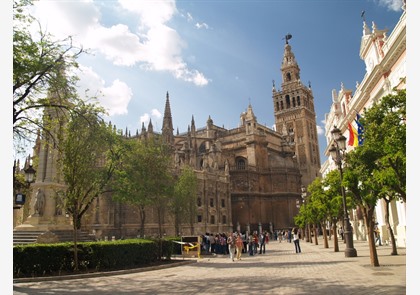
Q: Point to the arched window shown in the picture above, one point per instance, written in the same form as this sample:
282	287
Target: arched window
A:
287	101
240	164
202	148
288	77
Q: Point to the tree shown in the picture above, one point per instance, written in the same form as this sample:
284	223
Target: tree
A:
128	183
311	212
364	190
90	151
159	182
385	132
332	190
184	206
39	63
385	140
144	179
320	205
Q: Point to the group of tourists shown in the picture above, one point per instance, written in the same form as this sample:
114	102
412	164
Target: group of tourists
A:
235	244
283	235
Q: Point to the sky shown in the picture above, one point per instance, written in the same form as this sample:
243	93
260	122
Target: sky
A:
213	57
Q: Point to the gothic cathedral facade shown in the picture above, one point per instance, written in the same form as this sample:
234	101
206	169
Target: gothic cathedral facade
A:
249	178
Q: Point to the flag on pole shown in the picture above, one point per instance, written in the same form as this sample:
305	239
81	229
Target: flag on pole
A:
360	129
353	136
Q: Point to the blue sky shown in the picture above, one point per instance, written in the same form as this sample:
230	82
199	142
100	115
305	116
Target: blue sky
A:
213	57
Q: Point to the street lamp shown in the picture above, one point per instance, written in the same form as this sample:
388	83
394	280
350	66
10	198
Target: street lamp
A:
29	174
307	230
29	178
337	153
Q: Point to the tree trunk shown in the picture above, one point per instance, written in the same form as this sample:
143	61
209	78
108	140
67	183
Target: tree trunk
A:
176	222
325	235
334	225
389	228
307	233
315	234
308	230
75	252
142	213
192	224
368	217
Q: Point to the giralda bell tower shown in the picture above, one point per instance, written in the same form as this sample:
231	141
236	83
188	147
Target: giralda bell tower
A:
295	117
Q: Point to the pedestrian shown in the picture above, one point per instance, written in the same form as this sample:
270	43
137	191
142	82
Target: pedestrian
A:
223	243
239	246
341	232
262	243
256	241
377	236
212	243
231	246
289	235
296	239
251	245
245	242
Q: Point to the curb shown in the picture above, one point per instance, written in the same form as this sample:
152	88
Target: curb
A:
102	274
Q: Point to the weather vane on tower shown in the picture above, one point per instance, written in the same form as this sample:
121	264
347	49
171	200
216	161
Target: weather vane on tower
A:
288	37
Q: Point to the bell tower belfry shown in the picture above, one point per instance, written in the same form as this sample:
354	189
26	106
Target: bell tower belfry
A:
294	115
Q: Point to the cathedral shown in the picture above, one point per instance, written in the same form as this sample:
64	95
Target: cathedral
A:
249	178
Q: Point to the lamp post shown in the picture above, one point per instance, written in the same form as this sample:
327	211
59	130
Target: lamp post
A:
307	231
337	153
29	178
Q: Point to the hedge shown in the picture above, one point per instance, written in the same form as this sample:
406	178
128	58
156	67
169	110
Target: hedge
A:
34	260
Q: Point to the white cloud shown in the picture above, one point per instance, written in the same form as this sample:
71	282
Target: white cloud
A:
319	130
145	118
151	13
64	18
154	46
189	17
152	116
114	98
201	26
156	114
394	5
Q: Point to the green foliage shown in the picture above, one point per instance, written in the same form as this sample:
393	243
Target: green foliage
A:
40	80
184	207
324	202
144	177
89	154
378	167
385	138
55	259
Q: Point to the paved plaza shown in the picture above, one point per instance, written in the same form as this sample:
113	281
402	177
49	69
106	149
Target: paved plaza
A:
317	270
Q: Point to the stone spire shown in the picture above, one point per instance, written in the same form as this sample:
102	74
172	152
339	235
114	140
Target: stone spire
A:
289	68
167	127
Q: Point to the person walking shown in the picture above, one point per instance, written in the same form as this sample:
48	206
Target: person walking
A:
289	235
296	239
341	232
251	245
262	243
377	236
256	242
231	241
239	246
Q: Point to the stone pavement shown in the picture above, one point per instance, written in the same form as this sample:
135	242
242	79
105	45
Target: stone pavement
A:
317	270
